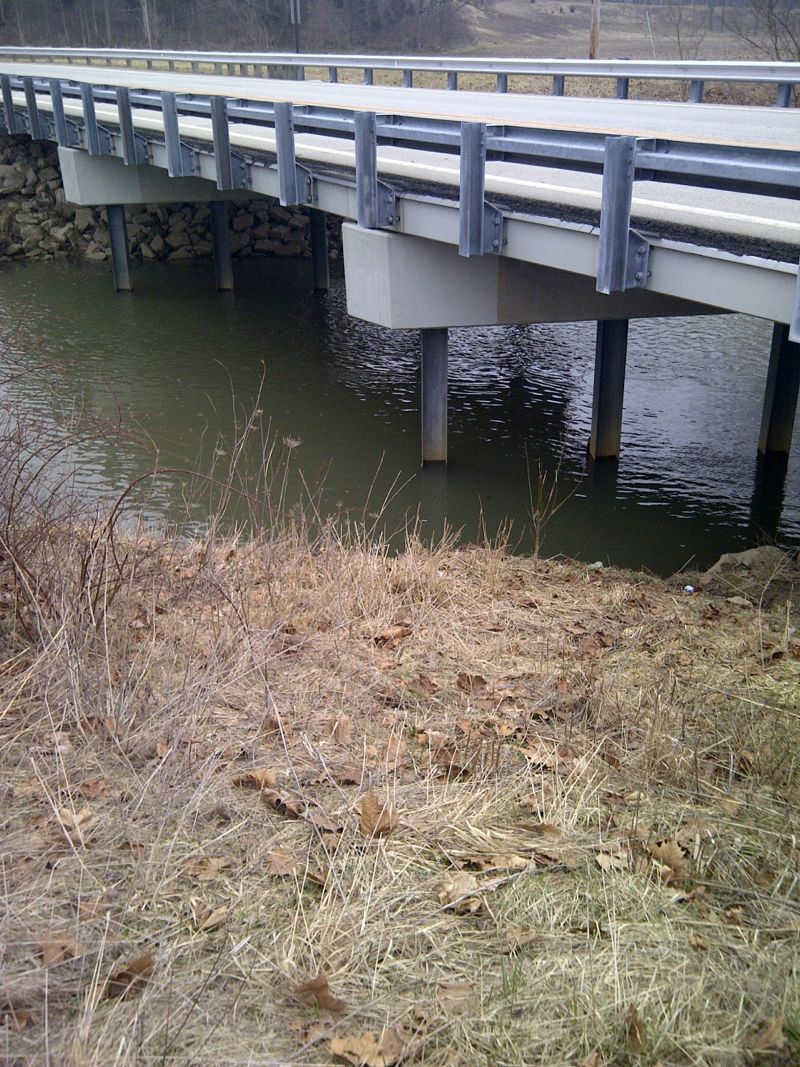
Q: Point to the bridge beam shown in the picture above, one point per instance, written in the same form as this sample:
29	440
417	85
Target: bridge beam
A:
319	250
434	396
118	239
221	240
780	396
611	352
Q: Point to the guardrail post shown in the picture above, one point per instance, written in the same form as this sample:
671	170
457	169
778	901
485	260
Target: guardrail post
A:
129	153
90	121
8	105
222	142
558	85
696	90
221	242
622	254
784	96
369	76
434	395
623	88
176	167
59	116
294	182
34	126
320	266
502	83
452	79
408	79
480	226
333	74
780	396
118	239
611	350
375	201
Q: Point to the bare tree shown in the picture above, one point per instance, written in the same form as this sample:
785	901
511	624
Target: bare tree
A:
771	28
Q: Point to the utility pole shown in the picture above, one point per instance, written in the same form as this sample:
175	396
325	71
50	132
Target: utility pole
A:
594	33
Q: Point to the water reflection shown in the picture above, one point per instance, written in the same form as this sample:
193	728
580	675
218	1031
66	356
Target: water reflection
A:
178	364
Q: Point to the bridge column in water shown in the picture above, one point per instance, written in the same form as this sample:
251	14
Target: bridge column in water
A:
780	397
434	395
319	249
611	351
221	239
118	239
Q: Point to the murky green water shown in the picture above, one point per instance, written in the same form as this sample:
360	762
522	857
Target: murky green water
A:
177	364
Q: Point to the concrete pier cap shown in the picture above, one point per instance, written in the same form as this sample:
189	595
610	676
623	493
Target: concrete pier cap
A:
92	180
405	282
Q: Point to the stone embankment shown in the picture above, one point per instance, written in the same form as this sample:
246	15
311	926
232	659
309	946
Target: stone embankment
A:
36	222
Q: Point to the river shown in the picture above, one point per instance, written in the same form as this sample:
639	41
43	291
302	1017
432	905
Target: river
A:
178	366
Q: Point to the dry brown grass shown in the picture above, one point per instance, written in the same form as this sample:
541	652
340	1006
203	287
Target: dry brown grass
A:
590	856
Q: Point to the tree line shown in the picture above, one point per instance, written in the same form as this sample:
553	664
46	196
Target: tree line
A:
242	25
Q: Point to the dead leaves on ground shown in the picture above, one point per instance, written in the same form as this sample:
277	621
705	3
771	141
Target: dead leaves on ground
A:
317	994
376	818
57	947
367	1050
132	976
457	893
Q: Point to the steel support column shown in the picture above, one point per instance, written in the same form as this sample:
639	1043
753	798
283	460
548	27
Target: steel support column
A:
780	397
319	250
609	386
434	396
221	238
118	238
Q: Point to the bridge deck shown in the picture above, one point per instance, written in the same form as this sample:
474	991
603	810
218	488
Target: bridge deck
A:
750	127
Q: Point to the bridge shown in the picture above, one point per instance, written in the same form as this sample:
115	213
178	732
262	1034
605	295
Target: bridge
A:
461	208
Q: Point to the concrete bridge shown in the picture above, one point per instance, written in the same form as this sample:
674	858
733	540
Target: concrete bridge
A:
461	208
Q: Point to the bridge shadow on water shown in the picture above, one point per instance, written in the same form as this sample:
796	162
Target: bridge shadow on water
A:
180	363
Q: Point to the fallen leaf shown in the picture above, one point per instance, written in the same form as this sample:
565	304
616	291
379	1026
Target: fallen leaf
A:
376	818
206	918
323	822
282	864
471	683
57	947
738	601
457	891
594	1059
423	684
591	928
206	868
317	994
284	805
367	1050
342	732
612	862
75	823
457	996
132	976
635	1031
670	858
331	841
498	862
517	939
93	788
768	1035
544	753
698	942
544	829
260	777
392	635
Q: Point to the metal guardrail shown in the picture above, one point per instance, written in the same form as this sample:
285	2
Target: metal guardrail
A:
784	76
623	251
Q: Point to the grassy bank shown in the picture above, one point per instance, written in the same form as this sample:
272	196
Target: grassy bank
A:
263	800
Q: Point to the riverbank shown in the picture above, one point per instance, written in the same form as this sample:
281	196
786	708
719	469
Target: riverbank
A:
299	800
36	222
